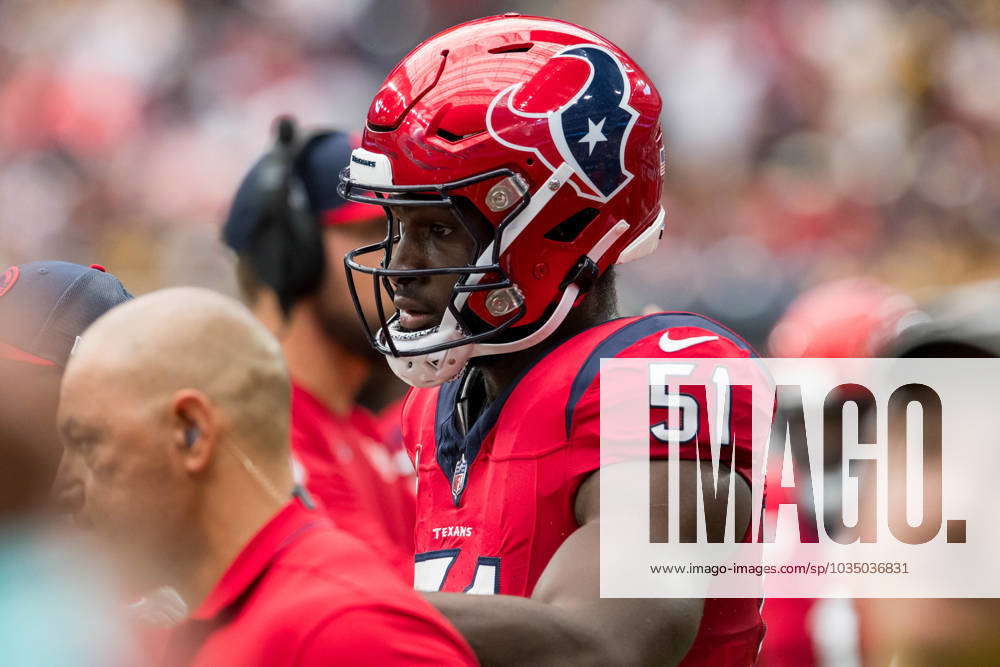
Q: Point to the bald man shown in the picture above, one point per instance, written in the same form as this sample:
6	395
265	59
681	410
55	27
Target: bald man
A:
174	414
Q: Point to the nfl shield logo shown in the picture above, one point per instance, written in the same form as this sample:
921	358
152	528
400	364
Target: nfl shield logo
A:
458	479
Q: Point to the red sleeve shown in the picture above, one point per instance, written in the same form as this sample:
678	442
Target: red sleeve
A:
384	637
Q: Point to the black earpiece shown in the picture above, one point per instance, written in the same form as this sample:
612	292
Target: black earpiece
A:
191	435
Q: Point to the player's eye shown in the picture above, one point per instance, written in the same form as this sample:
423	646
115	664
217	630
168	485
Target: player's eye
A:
440	230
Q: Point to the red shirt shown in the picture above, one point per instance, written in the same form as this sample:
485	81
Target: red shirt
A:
352	476
304	593
390	425
494	504
390	422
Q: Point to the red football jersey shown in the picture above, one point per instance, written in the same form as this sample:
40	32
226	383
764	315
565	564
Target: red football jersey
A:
347	470
301	594
494	504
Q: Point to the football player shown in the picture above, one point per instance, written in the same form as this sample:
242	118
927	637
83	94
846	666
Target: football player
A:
519	159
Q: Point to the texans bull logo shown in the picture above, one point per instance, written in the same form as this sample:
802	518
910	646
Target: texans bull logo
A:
589	132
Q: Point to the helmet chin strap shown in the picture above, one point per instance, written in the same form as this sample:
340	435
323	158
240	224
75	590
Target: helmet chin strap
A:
562	310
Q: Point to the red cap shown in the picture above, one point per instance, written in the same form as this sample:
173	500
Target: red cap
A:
846	318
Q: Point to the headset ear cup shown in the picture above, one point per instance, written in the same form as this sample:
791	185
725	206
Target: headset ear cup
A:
307	244
287	251
304	256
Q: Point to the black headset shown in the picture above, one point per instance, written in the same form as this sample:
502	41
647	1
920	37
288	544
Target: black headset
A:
286	250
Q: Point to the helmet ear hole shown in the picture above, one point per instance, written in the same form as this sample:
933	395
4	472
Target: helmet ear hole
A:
570	228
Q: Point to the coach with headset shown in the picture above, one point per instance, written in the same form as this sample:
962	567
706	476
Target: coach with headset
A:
290	229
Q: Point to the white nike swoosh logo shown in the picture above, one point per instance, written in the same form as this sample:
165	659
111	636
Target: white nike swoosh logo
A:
668	344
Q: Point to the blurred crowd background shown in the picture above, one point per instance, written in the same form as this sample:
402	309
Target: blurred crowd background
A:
807	140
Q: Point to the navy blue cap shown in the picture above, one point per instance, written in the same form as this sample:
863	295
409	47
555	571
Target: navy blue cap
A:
317	166
44	306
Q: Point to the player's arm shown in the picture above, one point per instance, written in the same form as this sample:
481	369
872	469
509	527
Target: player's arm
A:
565	622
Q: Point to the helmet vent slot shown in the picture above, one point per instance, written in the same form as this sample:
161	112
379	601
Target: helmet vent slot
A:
455	138
512	48
573	226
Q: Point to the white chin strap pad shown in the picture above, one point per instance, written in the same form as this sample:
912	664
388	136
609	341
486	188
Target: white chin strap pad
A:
430	370
434	368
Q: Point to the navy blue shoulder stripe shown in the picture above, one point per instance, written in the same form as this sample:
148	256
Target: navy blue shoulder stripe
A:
631	334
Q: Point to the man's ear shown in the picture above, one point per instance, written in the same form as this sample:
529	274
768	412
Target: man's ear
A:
195	430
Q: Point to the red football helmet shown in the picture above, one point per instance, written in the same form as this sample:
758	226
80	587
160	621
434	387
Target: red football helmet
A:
854	317
552	133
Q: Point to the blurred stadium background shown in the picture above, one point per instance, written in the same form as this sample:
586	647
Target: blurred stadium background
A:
807	140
